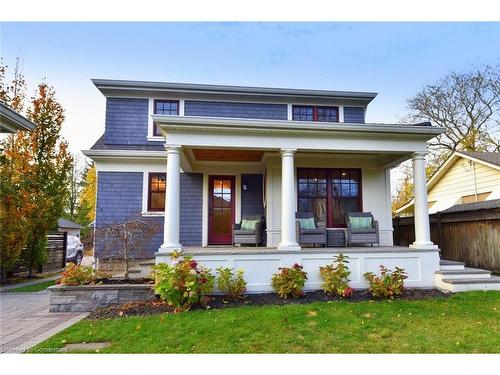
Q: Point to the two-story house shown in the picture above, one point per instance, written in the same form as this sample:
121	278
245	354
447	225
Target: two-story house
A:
197	158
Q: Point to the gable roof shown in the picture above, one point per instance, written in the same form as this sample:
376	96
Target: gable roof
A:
63	223
490	159
11	121
484	205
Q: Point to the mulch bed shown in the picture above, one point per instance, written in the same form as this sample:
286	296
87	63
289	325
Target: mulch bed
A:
117	281
222	302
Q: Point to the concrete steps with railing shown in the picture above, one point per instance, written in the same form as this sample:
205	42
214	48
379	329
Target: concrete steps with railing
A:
455	277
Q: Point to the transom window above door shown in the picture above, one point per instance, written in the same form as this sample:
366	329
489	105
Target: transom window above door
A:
329	194
315	113
165	107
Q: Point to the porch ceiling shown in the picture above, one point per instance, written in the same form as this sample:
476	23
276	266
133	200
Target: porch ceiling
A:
227	155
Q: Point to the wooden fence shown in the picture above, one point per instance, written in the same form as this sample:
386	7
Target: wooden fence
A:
472	237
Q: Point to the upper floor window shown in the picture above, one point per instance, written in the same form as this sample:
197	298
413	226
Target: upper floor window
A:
157	184
315	113
165	107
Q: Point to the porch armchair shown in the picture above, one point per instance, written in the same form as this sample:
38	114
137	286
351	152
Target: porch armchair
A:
361	228
308	234
245	235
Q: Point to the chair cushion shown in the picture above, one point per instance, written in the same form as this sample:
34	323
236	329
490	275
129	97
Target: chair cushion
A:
244	232
307	223
360	222
248	224
364	230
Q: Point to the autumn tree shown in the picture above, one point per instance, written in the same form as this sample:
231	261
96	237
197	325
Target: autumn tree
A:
76	184
87	198
40	158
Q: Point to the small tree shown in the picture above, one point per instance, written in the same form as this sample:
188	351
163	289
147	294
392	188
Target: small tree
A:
126	240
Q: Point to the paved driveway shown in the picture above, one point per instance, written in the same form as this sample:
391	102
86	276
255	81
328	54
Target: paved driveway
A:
25	320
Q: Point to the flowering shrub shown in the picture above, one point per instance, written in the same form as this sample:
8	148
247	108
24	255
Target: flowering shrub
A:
183	283
289	282
228	282
336	277
389	284
77	275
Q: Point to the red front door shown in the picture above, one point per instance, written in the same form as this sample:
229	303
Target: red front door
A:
220	209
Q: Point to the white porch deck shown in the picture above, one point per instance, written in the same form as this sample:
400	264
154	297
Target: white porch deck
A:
261	263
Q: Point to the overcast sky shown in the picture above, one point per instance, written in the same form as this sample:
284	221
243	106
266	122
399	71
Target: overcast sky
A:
394	59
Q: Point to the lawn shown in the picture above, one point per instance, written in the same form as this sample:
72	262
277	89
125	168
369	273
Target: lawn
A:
33	288
462	323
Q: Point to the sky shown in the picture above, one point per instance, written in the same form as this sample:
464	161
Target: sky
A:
394	59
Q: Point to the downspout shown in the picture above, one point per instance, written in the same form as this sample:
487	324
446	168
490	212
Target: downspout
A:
475	181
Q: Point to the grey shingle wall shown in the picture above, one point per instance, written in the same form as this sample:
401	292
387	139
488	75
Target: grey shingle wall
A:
235	110
251	199
354	114
119	197
126	121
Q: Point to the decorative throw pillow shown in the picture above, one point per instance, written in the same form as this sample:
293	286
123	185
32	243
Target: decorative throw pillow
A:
247	224
307	223
360	222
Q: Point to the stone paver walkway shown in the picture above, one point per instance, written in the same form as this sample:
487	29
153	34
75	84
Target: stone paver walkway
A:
25	320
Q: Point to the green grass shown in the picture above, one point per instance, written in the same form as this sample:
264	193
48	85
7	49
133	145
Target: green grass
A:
33	288
463	323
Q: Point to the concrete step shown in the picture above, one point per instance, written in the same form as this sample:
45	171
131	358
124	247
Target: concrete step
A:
466	284
466	273
451	265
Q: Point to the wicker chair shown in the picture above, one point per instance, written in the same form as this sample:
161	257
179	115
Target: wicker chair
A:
245	237
309	236
361	235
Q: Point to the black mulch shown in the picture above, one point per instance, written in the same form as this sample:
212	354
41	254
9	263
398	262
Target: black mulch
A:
221	302
113	281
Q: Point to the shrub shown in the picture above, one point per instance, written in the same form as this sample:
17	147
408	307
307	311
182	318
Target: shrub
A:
336	277
77	275
389	284
183	283
289	282
228	282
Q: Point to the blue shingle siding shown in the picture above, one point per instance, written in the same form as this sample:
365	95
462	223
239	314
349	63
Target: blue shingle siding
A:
119	198
235	110
354	114
251	198
126	121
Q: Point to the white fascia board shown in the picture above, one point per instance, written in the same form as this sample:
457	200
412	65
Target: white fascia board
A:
124	154
211	124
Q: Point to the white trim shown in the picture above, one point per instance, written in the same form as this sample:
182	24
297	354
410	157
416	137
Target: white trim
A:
155	138
289	112
150	118
131	154
210	124
181	107
341	113
204	216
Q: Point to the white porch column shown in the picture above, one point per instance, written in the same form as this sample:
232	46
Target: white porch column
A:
288	238
172	201
422	226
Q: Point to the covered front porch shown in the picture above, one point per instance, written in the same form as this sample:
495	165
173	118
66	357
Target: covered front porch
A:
301	166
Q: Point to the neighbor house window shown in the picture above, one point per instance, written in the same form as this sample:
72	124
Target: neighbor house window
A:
329	194
156	191
315	113
165	107
472	198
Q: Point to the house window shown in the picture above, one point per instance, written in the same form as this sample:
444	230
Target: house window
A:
157	184
329	194
315	113
472	198
165	107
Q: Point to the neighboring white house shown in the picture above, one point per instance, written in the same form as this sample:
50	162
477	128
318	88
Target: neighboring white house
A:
72	228
465	177
11	121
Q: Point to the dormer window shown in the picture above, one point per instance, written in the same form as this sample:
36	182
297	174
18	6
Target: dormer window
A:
165	107
315	113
